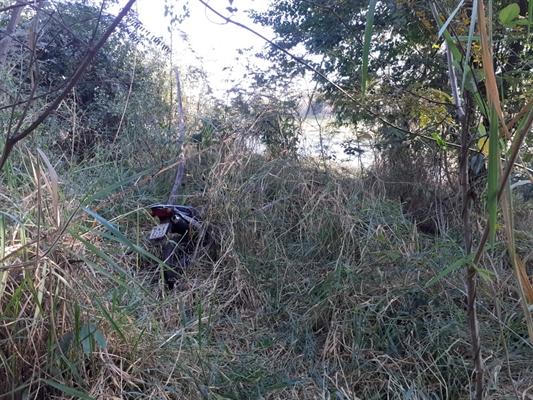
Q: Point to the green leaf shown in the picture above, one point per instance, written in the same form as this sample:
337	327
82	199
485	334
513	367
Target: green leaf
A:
509	13
68	390
86	338
366	47
485	274
100	339
64	343
472	77
441	143
448	270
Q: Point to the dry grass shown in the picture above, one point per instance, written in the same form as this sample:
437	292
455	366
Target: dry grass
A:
318	292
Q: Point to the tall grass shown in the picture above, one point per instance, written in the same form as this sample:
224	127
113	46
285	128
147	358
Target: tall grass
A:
317	291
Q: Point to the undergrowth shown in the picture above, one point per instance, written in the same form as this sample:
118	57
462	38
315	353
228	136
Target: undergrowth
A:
318	291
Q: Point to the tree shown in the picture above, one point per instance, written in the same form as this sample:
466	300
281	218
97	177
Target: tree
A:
29	79
333	36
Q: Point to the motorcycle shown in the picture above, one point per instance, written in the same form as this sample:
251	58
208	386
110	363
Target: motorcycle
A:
179	226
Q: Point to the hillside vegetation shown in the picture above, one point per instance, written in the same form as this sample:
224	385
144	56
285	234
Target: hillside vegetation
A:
318	290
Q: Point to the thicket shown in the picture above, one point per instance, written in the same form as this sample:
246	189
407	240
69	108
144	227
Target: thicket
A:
443	83
328	282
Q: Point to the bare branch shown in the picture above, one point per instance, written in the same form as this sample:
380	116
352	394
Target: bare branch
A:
19	4
453	84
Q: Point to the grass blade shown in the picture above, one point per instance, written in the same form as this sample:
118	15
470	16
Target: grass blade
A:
118	236
104	192
5	273
68	390
450	18
102	255
53	186
494	170
458	56
366	47
448	270
110	319
469	44
493	97
456	265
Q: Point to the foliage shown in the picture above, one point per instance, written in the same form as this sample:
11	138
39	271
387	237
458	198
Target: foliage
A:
406	64
97	110
272	117
401	51
491	66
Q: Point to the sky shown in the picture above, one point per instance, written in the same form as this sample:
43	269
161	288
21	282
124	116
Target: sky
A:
215	43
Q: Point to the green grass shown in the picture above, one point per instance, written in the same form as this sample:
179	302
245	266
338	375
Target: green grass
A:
318	291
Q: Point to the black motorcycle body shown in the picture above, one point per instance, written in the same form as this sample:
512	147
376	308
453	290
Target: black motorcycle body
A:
179	226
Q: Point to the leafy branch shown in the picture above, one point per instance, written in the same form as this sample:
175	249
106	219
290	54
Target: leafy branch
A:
12	140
